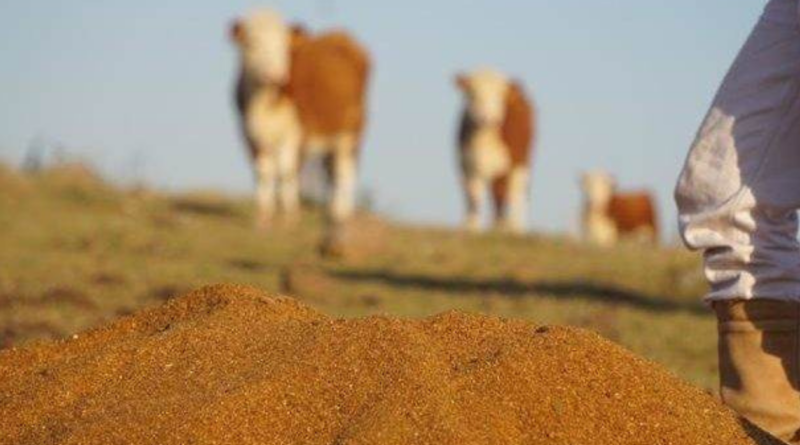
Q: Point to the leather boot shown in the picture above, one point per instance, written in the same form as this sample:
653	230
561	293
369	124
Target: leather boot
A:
759	363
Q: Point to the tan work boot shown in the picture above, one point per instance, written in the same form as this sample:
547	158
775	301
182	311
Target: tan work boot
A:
759	363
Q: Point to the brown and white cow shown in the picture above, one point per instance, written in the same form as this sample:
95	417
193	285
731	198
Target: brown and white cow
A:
609	215
494	139
300	94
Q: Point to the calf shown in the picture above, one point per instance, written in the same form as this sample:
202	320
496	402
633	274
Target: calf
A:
494	139
300	94
609	216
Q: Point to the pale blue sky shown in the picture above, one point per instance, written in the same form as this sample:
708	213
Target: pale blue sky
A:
619	84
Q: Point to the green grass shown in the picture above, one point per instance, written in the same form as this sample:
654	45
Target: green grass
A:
76	252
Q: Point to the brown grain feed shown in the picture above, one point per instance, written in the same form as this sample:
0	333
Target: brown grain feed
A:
232	365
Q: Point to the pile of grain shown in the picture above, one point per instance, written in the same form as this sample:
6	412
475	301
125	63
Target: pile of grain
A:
230	365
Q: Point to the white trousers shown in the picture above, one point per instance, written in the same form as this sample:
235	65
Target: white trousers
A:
739	190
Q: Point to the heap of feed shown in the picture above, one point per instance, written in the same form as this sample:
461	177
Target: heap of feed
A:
231	365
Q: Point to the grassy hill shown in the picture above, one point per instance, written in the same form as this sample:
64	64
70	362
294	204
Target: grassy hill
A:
76	252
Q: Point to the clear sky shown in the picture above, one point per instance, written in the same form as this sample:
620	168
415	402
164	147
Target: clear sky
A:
143	88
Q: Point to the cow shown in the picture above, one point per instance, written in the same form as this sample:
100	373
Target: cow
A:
494	145
298	95
609	215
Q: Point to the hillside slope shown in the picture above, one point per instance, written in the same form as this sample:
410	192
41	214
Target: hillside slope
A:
77	252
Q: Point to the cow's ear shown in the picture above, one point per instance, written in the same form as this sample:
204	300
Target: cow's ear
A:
517	86
461	81
236	31
298	30
298	35
583	178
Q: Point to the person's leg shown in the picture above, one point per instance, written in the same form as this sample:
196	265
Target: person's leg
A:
737	198
758	360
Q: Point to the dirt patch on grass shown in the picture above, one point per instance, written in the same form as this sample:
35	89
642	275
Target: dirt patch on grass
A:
248	265
604	320
313	284
165	292
13	333
66	295
57	295
109	279
231	365
205	205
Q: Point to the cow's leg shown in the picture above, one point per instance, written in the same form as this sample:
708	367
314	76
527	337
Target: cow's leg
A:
500	200
289	172
517	190
645	234
342	202
341	205
475	187
266	188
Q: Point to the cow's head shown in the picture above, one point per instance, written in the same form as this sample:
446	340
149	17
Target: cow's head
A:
485	92
264	43
598	187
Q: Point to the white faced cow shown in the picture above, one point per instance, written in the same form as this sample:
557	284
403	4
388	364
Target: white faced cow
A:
495	147
609	215
299	94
